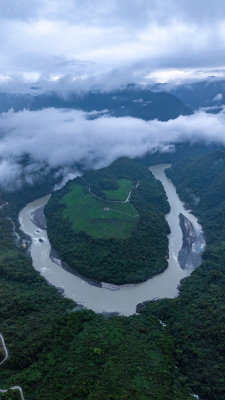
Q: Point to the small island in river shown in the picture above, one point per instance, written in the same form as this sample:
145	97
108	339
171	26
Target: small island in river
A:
109	225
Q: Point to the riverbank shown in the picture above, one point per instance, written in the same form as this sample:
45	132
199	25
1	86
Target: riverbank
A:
39	219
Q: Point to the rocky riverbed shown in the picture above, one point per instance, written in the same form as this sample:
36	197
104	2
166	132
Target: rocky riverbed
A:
190	255
38	218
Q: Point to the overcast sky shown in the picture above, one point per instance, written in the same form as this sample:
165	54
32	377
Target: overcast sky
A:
64	43
128	40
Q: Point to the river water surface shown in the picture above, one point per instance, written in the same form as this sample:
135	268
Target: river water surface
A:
121	299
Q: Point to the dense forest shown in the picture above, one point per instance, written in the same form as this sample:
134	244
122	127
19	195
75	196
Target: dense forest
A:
56	352
135	258
10	395
196	319
59	352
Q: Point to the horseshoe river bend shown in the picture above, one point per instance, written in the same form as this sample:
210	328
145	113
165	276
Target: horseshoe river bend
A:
121	299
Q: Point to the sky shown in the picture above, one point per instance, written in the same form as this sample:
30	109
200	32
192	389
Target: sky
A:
91	41
105	44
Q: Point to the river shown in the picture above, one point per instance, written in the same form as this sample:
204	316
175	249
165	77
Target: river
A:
109	299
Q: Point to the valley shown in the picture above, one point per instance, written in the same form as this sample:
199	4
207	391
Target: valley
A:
182	335
102	297
58	350
112	200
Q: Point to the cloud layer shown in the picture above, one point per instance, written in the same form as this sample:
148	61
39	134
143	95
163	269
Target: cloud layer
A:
88	39
54	138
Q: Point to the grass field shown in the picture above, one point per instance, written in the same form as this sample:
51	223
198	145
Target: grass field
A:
87	213
124	187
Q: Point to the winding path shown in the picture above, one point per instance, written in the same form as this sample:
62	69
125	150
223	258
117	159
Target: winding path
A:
112	201
2	362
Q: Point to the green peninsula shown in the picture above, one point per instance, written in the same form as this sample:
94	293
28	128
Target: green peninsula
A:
109	225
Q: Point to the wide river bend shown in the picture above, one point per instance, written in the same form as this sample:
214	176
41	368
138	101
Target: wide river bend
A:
109	298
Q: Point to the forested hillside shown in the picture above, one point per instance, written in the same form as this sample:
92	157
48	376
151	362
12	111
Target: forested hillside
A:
58	352
196	318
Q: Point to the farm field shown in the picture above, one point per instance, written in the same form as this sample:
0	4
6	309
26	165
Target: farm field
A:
98	218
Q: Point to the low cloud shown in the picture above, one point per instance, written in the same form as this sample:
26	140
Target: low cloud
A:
10	175
58	138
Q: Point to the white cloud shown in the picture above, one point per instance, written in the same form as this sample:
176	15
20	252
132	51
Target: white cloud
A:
60	138
218	98
10	174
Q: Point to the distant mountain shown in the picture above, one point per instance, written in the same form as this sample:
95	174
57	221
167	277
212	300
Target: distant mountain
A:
131	101
208	93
